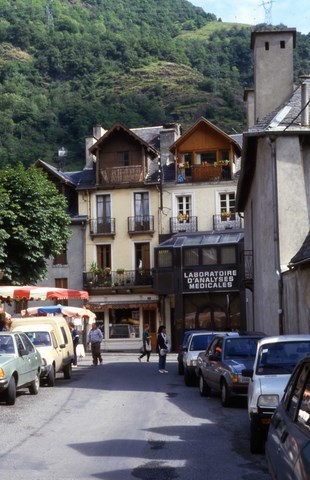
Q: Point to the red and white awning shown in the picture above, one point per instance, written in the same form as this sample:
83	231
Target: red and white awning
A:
27	292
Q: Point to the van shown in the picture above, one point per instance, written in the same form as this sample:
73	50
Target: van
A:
52	338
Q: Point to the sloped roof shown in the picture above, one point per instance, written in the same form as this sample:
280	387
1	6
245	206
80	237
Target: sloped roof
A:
303	255
197	124
129	132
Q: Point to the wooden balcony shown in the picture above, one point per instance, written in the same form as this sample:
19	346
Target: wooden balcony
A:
122	175
141	224
203	173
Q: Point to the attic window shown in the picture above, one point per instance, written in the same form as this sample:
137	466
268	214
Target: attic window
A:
282	44
266	45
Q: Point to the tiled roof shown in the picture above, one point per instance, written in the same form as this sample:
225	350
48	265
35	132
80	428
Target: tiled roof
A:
286	117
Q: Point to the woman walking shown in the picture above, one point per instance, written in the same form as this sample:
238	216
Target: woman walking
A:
162	348
147	347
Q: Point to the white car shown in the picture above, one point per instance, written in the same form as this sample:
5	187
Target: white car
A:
196	343
274	362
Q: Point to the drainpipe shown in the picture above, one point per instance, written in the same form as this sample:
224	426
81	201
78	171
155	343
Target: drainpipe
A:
272	144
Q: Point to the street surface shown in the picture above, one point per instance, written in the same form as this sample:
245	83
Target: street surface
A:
122	420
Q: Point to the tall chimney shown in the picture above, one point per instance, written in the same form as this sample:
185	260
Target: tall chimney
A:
273	69
305	100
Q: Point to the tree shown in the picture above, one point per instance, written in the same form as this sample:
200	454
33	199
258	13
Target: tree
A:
33	224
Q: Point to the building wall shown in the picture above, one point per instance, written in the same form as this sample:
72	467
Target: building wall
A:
296	305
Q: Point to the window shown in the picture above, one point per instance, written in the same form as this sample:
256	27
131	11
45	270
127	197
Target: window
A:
164	258
224	155
61	259
103	213
206	157
209	256
190	257
187	159
124	323
184	208
228	255
282	44
142	256
141	206
227	206
266	45
123	159
64	334
61	283
103	254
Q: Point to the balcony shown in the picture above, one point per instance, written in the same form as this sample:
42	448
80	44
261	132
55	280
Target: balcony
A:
188	225
120	279
203	173
122	175
141	224
102	226
227	220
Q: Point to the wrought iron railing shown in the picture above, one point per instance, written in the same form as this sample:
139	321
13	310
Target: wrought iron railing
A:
118	278
188	224
102	226
140	224
227	220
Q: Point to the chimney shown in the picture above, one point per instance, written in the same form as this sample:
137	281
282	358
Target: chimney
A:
98	131
273	69
305	100
248	97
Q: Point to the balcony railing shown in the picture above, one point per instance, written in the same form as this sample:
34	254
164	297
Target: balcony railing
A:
227	220
141	224
203	173
188	225
102	226
118	278
117	175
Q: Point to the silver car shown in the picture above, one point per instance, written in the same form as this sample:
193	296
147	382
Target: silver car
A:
275	360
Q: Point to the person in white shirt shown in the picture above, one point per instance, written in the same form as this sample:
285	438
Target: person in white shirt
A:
95	338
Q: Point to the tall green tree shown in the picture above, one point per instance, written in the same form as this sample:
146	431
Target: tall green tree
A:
33	224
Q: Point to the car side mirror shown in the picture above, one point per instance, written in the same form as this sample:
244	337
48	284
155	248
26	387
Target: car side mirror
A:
247	372
62	345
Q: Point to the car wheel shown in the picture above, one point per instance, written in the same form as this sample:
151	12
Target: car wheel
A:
257	440
204	388
11	392
51	377
67	371
180	368
188	378
35	385
225	396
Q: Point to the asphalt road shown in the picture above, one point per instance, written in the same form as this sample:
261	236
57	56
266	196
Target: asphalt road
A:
122	420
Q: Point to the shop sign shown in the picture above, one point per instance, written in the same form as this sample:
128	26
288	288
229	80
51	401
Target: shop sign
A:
215	279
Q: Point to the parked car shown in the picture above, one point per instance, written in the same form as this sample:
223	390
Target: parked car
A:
288	440
196	343
20	365
219	367
187	333
275	360
52	337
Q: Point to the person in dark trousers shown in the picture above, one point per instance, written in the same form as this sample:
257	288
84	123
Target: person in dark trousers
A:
162	348
95	338
75	340
147	347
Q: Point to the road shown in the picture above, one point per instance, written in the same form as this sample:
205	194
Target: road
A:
122	420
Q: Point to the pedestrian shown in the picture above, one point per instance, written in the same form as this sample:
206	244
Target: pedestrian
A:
147	346
162	348
75	340
95	338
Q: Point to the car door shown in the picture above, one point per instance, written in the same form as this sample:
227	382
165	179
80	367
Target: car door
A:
22	362
213	359
58	353
290	429
32	358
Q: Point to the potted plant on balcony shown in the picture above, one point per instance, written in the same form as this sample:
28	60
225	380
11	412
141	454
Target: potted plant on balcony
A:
225	215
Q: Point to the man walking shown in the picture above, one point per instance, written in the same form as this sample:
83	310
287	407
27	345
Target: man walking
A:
95	338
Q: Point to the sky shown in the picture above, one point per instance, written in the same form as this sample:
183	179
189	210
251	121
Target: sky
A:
292	13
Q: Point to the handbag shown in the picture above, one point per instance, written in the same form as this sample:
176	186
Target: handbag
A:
148	347
163	351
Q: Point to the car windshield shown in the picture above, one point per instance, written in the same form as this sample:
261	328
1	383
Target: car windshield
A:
40	339
6	344
240	347
281	357
200	342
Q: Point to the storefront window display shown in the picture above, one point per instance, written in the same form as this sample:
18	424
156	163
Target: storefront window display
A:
124	323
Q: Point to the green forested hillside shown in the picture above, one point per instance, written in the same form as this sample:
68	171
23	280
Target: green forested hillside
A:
66	65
